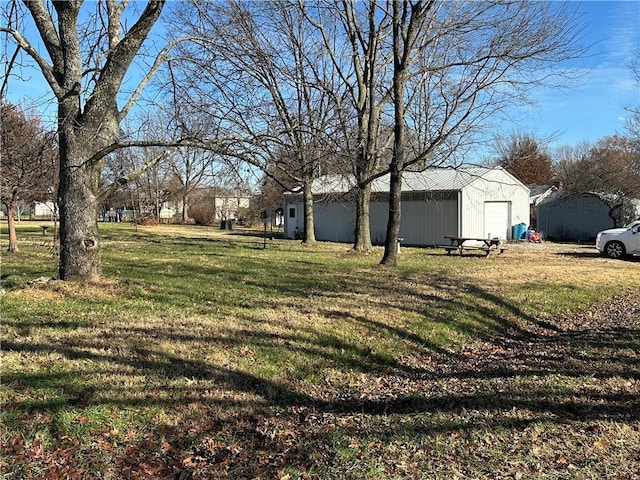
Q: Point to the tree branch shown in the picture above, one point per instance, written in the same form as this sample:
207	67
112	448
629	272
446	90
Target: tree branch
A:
119	58
46	28
47	70
157	63
121	181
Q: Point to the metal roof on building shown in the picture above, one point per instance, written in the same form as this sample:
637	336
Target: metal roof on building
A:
429	180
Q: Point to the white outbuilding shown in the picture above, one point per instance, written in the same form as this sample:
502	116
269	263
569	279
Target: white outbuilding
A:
482	202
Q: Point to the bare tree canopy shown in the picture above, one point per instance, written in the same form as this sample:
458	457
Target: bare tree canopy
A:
437	73
256	69
456	65
356	39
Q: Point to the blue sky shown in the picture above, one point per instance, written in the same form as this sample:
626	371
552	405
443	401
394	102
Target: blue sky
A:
594	105
589	109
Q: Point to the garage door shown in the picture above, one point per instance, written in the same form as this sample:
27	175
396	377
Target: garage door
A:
496	219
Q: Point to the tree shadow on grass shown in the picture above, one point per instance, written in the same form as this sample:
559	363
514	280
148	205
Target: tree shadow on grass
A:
463	306
262	424
313	380
510	372
519	363
427	396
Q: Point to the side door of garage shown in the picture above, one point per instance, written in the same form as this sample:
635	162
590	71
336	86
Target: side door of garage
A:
497	219
291	221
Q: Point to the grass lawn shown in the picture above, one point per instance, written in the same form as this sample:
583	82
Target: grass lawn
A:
202	355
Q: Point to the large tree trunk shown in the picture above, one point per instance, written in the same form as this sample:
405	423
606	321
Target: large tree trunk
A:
79	241
11	221
402	39
390	256
309	227
362	241
78	194
81	135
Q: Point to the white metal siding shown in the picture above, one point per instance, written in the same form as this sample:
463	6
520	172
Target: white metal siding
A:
426	221
495	186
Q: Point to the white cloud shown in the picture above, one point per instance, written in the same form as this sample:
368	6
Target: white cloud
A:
624	30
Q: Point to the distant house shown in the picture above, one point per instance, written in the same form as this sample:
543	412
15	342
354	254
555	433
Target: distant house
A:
170	210
475	202
34	211
211	205
230	207
44	209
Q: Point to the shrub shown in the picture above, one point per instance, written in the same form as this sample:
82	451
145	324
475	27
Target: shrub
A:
202	212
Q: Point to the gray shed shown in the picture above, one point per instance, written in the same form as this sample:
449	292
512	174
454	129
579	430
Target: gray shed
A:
577	217
474	202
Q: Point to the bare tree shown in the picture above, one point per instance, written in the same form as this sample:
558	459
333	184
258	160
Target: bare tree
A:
181	171
407	22
84	61
192	169
439	71
610	169
355	36
153	189
265	82
28	155
457	64
148	192
566	162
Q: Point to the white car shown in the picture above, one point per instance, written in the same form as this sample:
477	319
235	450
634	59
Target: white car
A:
618	242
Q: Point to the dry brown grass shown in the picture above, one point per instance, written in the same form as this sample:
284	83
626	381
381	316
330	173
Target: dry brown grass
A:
525	262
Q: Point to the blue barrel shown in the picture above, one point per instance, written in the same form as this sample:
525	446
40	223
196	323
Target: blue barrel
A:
518	231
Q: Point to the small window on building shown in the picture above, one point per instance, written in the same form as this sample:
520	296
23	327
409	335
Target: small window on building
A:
292	212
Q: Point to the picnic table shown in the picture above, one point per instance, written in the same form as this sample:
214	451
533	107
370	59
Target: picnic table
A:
462	244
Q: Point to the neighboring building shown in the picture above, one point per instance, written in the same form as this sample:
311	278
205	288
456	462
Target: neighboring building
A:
538	193
33	211
566	216
225	206
170	210
44	209
231	206
474	202
209	206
